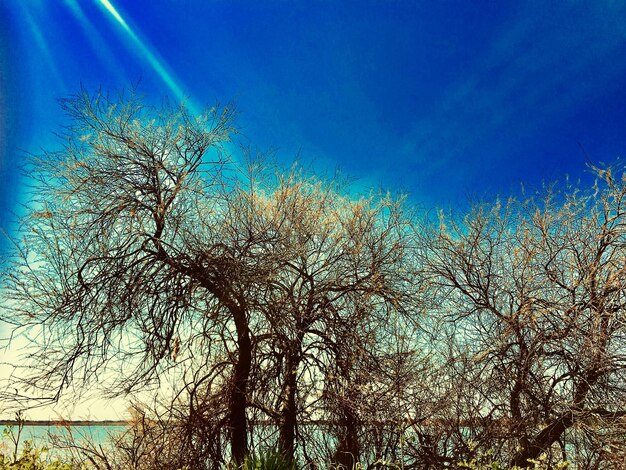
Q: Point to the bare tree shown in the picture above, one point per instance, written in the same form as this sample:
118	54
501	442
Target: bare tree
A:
333	263
124	257
145	257
532	300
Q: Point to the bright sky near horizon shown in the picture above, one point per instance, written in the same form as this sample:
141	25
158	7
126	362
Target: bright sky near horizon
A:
446	100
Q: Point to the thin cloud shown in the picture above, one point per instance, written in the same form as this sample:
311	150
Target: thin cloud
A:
532	71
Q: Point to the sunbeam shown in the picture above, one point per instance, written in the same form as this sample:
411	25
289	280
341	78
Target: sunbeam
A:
153	60
98	43
43	45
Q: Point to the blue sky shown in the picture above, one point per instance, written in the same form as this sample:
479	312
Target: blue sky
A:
447	100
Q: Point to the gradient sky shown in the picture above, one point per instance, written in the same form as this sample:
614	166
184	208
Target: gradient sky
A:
446	100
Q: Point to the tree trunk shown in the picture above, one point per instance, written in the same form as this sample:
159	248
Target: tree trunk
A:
544	440
288	418
289	411
556	428
347	455
550	434
239	393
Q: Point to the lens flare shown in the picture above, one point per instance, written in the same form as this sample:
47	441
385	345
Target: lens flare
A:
157	65
43	46
98	43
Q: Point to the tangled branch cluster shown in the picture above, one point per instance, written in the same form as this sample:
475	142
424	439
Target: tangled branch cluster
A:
273	309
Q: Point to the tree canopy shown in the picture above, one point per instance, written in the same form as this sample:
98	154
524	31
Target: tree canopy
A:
277	309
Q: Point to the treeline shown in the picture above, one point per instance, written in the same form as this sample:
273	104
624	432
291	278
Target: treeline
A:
275	309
